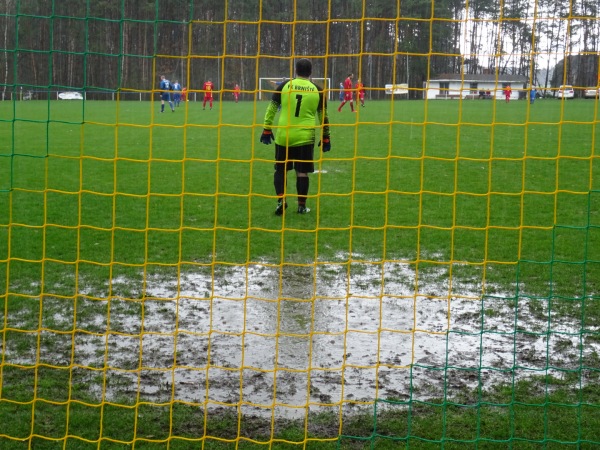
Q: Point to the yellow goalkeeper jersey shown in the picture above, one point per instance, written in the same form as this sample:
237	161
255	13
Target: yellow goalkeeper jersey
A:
299	102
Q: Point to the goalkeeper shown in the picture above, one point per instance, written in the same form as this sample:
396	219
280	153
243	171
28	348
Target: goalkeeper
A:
300	101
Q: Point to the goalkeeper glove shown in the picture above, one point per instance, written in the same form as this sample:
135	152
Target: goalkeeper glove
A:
326	144
266	137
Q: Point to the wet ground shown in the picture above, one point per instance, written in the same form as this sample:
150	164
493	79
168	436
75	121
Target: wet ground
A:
284	340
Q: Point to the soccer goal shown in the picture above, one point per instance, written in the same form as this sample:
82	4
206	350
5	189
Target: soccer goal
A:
268	85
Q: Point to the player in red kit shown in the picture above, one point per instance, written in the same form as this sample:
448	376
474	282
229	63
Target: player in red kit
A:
236	92
348	94
507	93
208	94
360	92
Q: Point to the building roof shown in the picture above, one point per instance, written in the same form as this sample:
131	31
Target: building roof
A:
490	78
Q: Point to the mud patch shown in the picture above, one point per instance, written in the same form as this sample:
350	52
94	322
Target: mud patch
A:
286	340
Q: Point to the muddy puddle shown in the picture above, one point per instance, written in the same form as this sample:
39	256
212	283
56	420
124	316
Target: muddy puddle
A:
285	340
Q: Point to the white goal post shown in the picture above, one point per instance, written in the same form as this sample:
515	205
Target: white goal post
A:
268	85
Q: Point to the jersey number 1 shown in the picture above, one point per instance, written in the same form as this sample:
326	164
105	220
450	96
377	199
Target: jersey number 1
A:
298	103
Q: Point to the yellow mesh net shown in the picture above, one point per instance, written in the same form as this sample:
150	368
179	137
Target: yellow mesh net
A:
442	291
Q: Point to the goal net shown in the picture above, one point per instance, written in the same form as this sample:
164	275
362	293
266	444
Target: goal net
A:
442	292
268	85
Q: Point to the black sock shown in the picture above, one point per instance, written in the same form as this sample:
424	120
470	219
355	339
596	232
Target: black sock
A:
302	188
279	182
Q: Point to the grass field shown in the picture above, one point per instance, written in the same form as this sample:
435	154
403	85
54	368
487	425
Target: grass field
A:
475	182
102	204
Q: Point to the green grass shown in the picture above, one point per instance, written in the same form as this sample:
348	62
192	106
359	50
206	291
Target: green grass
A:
96	191
520	414
476	182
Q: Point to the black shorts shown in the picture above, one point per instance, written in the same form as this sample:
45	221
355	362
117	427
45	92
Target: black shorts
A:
300	158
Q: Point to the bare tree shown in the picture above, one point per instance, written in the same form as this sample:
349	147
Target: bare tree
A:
7	44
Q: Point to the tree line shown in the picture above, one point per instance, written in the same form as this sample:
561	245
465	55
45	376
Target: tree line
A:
123	45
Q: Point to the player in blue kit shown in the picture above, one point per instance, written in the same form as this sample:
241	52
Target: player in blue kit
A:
177	93
165	93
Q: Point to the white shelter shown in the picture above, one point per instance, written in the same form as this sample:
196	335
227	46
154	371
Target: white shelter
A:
475	86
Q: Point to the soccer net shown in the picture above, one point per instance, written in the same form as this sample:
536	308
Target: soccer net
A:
443	291
268	85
